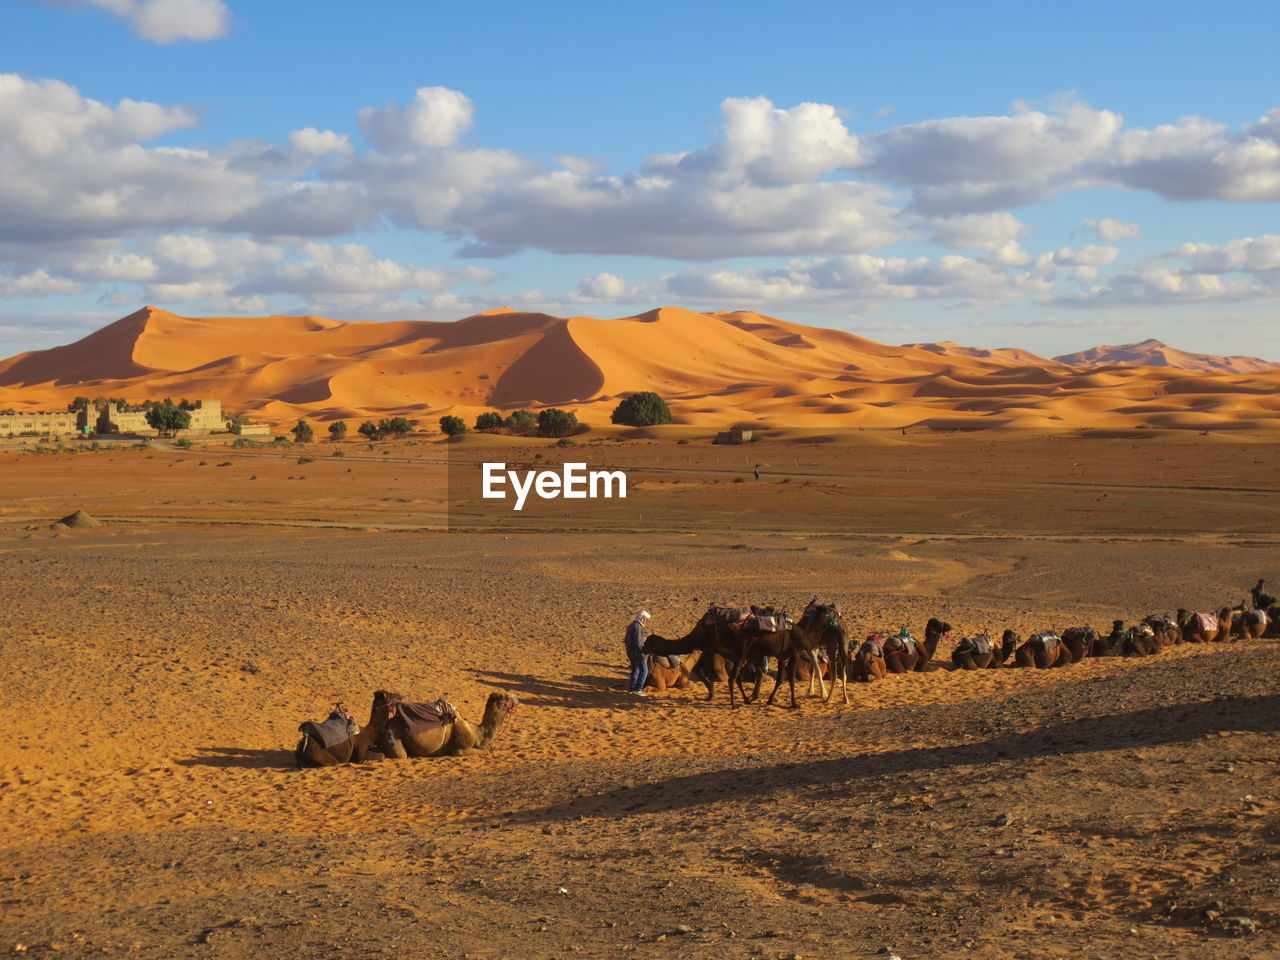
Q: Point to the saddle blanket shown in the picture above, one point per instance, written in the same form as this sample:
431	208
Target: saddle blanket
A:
727	615
770	622
424	717
979	646
331	732
671	662
1206	622
873	646
1046	639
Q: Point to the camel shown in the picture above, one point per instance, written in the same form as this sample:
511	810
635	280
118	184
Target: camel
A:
1206	627
1273	618
1252	624
1111	645
1080	642
666	672
980	653
935	631
902	653
1165	629
1042	650
717	648
312	750
819	627
435	729
868	662
1140	641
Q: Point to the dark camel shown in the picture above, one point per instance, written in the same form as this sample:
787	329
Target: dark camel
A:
717	648
312	753
820	628
935	631
1165	629
902	653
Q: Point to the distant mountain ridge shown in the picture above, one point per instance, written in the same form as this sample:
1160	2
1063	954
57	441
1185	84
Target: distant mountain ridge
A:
714	369
1153	353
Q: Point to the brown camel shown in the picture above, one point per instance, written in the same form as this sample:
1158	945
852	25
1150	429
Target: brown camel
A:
902	653
1111	645
436	730
339	740
1165	629
1080	642
868	661
1140	641
935	631
1273	616
674	671
1252	624
980	652
1207	627
1042	650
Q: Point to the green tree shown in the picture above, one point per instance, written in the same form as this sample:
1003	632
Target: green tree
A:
521	423
453	426
337	430
643	409
78	404
554	422
302	432
368	429
395	427
235	422
167	418
489	421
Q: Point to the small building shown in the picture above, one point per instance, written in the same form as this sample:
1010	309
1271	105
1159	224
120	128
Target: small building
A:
734	435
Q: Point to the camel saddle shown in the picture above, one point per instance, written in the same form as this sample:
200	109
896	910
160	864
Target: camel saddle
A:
425	717
671	661
726	616
1205	622
1046	639
338	727
900	643
874	645
978	646
769	622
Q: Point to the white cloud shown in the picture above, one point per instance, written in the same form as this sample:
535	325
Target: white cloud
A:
437	117
165	21
312	142
38	283
978	231
602	287
1109	230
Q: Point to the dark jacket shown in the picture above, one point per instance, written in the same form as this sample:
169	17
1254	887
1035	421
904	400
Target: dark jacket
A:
635	638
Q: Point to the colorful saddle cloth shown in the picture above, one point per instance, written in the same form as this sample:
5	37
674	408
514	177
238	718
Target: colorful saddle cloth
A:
1205	622
331	732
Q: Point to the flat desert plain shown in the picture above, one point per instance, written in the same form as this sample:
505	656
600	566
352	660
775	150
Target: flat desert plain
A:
157	668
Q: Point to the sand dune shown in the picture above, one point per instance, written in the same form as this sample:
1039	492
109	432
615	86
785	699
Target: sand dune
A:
1153	353
713	368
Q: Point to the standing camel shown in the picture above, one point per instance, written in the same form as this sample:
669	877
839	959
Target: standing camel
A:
820	627
718	649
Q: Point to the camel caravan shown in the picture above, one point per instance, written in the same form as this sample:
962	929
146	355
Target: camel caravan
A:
736	645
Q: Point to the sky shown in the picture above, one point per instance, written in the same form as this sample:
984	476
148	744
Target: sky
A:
998	174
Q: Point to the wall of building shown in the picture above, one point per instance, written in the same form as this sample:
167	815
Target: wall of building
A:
16	424
205	418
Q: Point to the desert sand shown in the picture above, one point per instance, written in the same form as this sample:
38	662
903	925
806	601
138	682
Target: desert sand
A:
158	667
714	369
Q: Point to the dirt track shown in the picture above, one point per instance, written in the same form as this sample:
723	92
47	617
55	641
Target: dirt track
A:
166	667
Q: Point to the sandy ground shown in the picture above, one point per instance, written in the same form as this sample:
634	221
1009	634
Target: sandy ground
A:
157	669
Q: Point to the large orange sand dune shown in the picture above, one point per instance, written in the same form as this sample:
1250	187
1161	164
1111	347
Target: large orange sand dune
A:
713	368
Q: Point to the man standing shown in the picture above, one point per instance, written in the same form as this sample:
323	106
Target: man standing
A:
636	631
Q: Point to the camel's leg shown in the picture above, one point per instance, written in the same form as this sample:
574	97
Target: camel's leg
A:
786	666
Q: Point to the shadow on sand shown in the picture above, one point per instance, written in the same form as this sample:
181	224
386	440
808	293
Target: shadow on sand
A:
247	759
583	691
1142	728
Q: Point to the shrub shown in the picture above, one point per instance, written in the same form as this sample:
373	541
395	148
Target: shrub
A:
554	422
302	432
240	443
184	443
280	441
521	423
489	421
166	418
306	459
452	426
643	409
368	429
395	427
337	430
566	442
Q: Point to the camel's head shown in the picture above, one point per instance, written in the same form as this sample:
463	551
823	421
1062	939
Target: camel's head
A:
652	642
498	710
384	706
1009	637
